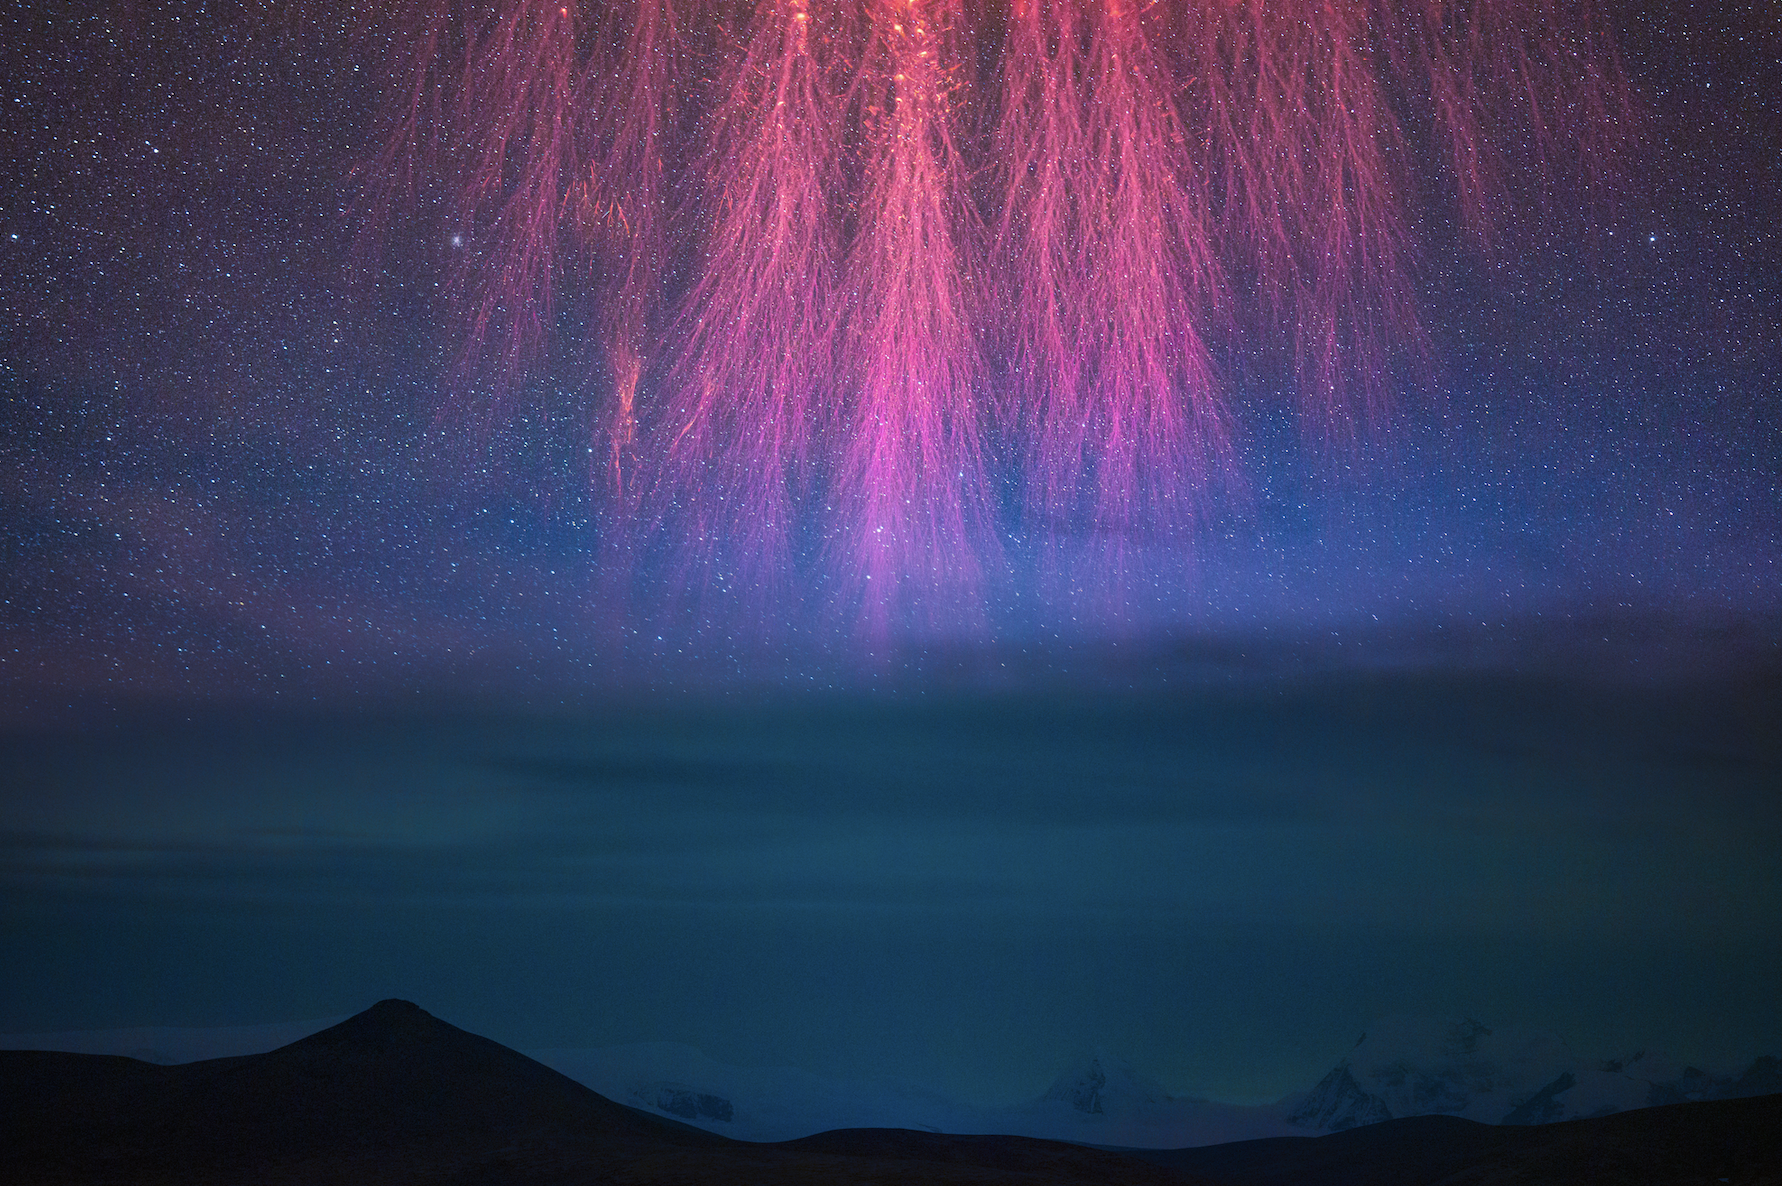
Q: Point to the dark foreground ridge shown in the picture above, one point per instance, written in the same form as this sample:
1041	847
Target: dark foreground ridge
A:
1723	1141
395	1095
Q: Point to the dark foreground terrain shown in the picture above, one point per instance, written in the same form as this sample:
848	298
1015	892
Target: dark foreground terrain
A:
395	1095
1731	1141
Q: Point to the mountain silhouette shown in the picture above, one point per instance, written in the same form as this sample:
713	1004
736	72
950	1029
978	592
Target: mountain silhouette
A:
396	1095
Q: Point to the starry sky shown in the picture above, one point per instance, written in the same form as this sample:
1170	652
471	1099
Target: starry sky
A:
305	701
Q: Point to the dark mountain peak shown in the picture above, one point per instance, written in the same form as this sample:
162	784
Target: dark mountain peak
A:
395	1007
396	1068
393	1016
392	1082
387	1026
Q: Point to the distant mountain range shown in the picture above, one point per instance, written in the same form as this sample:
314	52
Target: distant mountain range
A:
394	1095
1403	1067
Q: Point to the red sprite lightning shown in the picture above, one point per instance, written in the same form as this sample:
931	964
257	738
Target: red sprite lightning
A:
890	297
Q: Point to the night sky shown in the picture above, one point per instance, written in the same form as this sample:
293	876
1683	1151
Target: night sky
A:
316	690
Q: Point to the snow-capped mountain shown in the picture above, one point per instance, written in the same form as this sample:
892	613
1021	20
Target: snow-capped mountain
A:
1103	1100
1416	1066
1104	1085
1419	1066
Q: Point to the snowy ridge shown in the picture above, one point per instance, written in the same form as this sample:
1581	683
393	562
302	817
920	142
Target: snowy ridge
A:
1420	1066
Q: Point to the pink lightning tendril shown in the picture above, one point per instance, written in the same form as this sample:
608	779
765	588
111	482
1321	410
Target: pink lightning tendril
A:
623	206
1308	156
1537	83
915	526
749	397
1108	248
